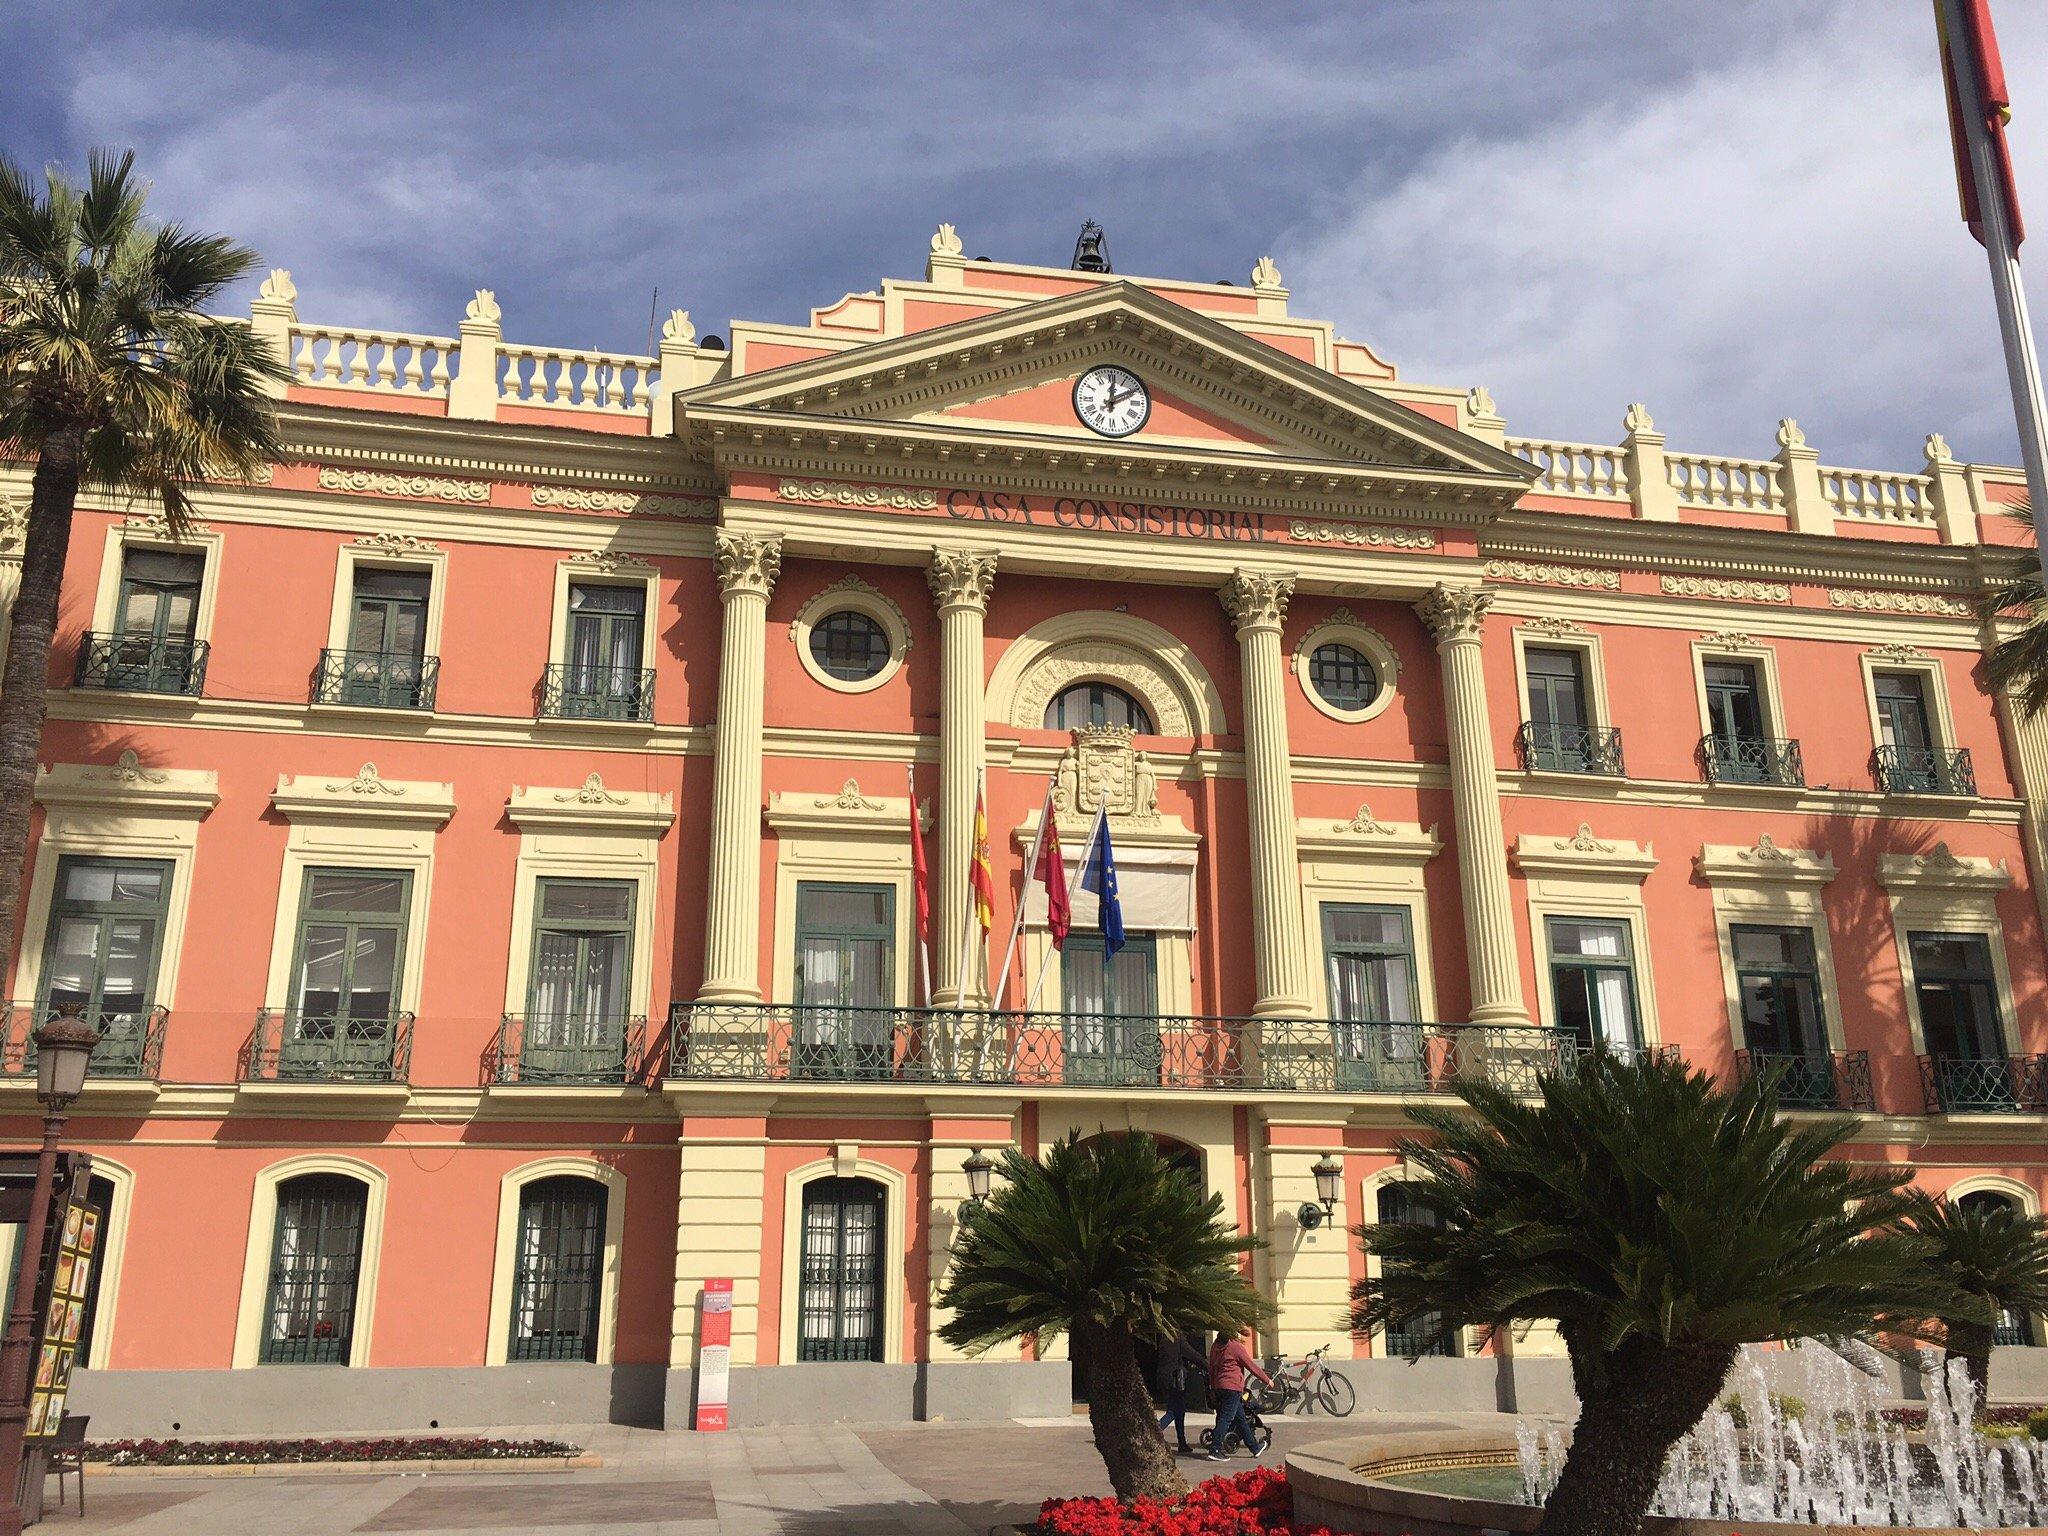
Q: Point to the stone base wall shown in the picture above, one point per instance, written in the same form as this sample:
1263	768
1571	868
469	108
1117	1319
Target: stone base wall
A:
851	1392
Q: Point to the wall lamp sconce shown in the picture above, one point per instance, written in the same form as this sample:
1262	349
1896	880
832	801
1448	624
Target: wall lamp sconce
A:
979	1168
1329	1186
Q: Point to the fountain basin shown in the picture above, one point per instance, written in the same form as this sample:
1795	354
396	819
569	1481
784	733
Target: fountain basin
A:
1351	1484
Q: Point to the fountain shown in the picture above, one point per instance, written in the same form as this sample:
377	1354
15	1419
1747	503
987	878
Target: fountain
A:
1765	1462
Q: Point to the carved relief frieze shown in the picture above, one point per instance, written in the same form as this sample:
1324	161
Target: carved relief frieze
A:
576	498
1921	603
1088	660
1725	589
1539	574
1103	768
1361	535
839	493
370	482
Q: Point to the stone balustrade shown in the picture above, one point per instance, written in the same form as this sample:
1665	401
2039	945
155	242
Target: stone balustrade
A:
1713	480
1879	496
381	362
575	379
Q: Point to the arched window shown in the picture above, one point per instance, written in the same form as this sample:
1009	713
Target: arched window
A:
2013	1328
1413	1338
1096	704
99	1199
839	1307
315	1259
558	1270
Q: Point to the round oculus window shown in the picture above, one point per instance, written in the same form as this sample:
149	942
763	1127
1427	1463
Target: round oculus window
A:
850	646
1343	677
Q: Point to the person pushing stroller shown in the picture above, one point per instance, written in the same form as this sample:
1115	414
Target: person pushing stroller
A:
1229	1363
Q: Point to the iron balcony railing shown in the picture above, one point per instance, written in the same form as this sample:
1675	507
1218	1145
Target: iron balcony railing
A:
1570	748
772	1042
141	664
1924	771
538	1048
377	679
292	1047
2006	1085
573	691
1814	1079
1752	760
131	1045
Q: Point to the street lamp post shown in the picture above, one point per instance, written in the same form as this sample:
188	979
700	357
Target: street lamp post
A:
63	1047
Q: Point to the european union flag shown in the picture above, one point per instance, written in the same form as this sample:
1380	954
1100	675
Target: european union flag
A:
1100	878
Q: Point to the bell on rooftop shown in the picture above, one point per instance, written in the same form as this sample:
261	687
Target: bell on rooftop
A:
1091	250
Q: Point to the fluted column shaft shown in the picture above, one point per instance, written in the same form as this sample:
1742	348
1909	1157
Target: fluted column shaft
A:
961	583
1257	604
1456	615
746	567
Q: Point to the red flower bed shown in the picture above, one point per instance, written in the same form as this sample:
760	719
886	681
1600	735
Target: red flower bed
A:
234	1453
1254	1503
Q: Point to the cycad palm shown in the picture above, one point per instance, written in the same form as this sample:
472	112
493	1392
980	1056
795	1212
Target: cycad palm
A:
110	376
1661	1223
1991	1253
1108	1242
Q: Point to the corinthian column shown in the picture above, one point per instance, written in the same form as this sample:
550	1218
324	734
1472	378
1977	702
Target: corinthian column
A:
745	566
1257	605
1455	616
961	581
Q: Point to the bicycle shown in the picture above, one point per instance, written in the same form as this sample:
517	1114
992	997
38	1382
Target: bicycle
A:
1309	1380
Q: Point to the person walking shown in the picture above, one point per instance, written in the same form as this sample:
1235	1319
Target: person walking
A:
1229	1363
1170	1379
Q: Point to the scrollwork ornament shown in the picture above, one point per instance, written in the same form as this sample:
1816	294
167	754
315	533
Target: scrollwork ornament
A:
1257	599
593	792
1454	613
745	562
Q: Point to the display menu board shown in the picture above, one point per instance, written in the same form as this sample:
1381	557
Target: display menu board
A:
75	1254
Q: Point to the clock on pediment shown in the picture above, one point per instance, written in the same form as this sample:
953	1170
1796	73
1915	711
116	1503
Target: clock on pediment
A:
1112	401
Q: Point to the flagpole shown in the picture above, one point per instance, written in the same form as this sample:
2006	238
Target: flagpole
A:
2022	365
968	922
924	946
1073	880
1000	983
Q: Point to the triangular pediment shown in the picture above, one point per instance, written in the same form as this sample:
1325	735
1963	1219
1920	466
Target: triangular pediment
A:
1007	379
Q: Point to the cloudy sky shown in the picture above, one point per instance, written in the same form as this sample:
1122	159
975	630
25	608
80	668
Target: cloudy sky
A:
1732	211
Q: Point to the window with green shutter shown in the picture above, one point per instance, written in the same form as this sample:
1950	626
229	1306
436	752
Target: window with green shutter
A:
558	1270
315	1261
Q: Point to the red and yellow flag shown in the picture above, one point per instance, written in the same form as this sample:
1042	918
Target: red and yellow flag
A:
980	877
1989	102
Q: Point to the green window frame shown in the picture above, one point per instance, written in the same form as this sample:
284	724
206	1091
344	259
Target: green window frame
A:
1957	988
316	1255
386	642
558	1269
89	934
1777	982
840	1311
1110	1012
845	979
1593	991
1375	1000
356	947
1096	704
1411	1340
159	595
1903	718
579	979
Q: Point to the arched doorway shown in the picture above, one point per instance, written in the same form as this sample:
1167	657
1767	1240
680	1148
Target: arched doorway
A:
2013	1328
1187	1158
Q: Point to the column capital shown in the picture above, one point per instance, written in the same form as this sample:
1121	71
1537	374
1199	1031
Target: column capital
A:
962	578
1454	613
1257	599
745	563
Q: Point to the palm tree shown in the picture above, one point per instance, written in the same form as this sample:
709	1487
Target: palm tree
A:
1662	1223
110	376
1108	1242
1992	1253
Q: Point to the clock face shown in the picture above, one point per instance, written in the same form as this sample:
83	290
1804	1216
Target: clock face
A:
1111	401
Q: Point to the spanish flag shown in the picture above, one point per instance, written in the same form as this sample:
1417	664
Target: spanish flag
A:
980	877
1983	97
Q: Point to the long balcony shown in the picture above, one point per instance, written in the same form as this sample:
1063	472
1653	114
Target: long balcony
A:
774	1042
1771	760
1837	1080
1924	771
1570	748
377	679
552	1050
289	1047
141	664
576	692
131	1045
2008	1085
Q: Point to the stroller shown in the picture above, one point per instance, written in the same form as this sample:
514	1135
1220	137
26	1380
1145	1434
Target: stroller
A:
1262	1432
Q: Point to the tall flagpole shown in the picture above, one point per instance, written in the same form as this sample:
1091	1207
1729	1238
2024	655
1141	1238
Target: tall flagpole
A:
1000	983
920	897
2022	365
970	921
1073	884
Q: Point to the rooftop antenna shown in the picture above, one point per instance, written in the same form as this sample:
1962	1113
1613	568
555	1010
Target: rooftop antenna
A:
1091	250
653	305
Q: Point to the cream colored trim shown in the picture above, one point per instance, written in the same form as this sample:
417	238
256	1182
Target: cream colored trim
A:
850	593
845	839
1556	634
589	833
497	1341
1342	628
1151	662
1740	646
1763	865
606	567
2028	1202
895	1281
1366	862
362	823
1786	900
150	532
1584	877
388	552
1930	907
121	810
263	1234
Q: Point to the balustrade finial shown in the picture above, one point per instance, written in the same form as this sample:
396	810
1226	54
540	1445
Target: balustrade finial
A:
279	287
1637	419
678	327
484	308
1265	273
946	241
1789	435
1938	450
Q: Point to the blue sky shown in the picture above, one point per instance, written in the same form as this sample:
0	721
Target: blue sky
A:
1732	211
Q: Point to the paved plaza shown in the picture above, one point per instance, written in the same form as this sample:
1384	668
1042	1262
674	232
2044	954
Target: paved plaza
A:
841	1480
